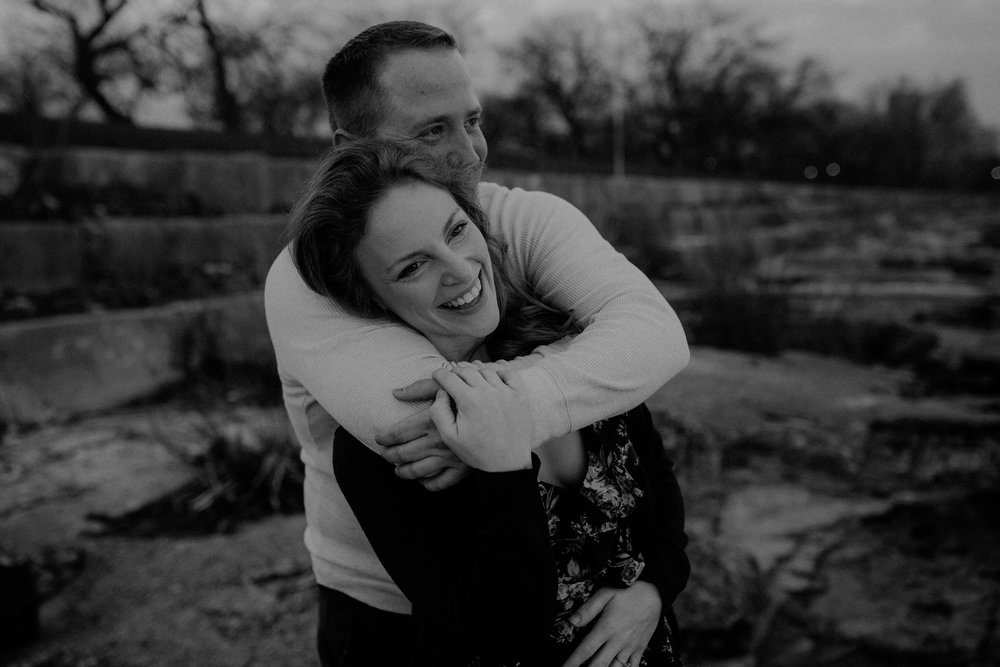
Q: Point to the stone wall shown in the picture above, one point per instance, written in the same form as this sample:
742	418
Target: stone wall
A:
241	182
54	369
41	256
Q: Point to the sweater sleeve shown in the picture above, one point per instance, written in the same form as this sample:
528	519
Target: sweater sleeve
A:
474	560
632	341
659	527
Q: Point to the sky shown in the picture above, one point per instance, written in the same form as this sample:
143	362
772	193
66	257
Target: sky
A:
864	42
867	41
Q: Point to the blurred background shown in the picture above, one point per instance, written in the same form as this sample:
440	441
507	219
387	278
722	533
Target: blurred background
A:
814	186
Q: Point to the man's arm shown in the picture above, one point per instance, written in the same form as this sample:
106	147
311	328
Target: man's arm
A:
631	344
632	341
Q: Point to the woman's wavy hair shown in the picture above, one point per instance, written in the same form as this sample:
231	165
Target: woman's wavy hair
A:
330	219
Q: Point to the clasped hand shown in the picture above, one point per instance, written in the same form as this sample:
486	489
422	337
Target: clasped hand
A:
484	416
415	444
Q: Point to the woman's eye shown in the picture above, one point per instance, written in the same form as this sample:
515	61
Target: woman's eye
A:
458	230
408	270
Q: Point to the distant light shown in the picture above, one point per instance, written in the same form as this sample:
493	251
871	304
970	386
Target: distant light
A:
995	173
810	172
832	169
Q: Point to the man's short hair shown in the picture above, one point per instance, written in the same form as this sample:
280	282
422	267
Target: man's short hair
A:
350	82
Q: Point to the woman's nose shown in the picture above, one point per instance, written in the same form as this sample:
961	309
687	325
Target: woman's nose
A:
458	270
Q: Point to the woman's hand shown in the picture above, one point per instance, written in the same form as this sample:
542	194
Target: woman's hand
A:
626	619
490	426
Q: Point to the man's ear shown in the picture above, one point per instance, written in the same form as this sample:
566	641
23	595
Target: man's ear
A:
342	137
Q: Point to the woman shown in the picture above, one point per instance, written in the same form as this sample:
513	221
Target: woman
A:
513	565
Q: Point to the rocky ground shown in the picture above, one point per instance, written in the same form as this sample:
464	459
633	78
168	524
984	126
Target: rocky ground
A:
833	521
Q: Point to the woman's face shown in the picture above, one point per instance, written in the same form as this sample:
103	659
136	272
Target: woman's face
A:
429	265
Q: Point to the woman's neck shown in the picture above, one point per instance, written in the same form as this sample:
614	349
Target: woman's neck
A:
461	349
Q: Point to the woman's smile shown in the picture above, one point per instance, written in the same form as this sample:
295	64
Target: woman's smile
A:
468	300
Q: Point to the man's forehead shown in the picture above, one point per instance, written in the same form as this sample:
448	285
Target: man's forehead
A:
426	77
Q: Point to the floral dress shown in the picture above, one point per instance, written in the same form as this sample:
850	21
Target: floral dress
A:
590	533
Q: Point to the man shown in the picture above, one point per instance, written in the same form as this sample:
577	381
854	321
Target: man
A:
407	82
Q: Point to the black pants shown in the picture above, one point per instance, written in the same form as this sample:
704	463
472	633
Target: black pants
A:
353	634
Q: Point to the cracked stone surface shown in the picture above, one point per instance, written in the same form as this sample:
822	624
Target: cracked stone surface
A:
798	559
53	476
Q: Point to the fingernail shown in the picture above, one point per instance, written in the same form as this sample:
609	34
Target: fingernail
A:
575	620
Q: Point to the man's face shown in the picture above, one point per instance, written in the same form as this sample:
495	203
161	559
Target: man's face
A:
430	105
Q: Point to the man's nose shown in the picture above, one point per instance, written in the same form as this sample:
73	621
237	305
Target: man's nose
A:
463	150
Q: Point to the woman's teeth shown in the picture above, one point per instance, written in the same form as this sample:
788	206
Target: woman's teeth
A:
466	298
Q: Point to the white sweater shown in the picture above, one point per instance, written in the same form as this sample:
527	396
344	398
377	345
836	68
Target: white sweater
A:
336	368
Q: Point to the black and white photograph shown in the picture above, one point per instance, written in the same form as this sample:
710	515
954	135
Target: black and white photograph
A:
519	333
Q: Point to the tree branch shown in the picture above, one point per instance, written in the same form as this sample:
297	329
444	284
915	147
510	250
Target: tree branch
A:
52	10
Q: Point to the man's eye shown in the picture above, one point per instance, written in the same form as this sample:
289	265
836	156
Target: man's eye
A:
432	132
458	230
474	122
408	270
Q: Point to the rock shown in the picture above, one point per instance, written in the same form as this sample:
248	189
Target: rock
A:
920	582
56	567
718	610
937	452
18	603
768	521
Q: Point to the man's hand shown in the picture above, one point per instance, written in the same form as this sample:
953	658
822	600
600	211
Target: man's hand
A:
484	416
447	477
414	445
421	390
626	619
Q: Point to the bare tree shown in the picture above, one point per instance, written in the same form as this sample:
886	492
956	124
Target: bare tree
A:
241	75
31	86
715	91
226	108
564	65
105	59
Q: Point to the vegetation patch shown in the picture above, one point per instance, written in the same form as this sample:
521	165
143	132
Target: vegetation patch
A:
244	469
